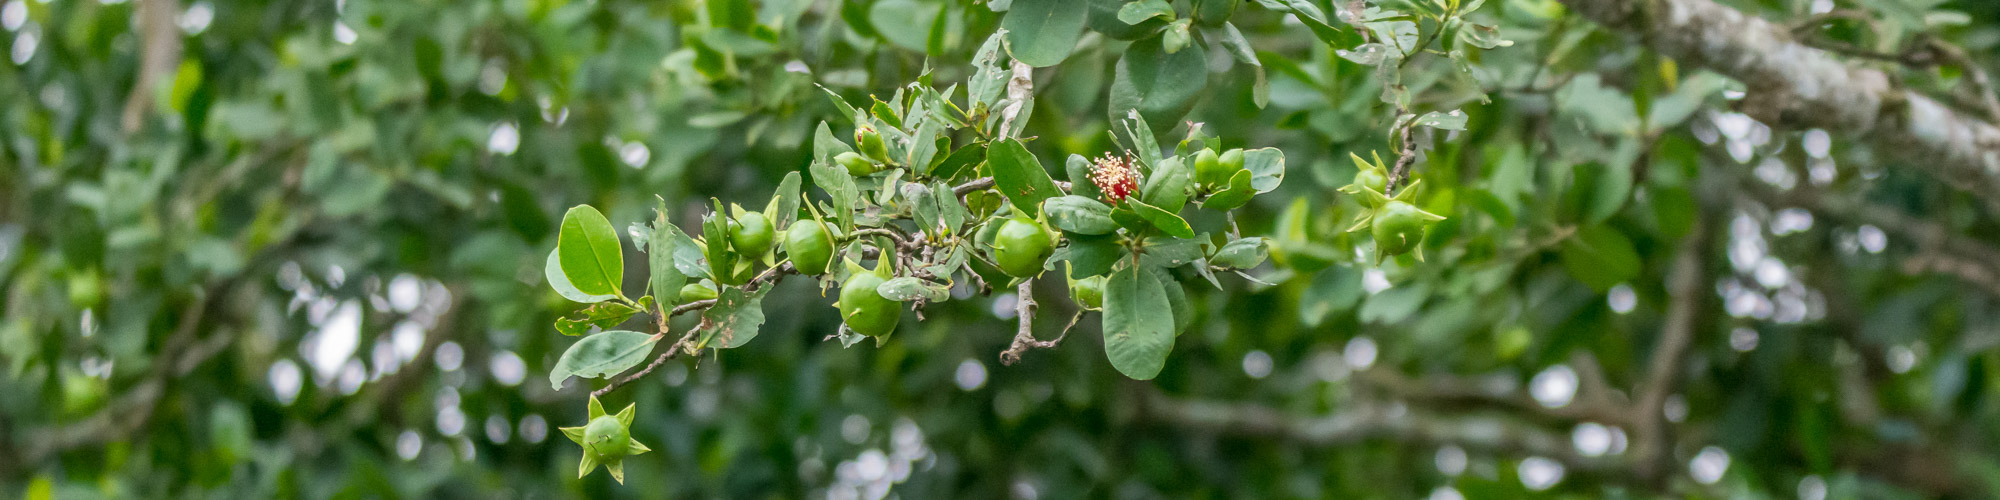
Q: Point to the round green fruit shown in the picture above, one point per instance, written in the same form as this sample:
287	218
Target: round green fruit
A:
1088	292
1020	247
810	246
1398	228
607	437
856	164
866	310
1231	160
751	234
1371	179
1208	168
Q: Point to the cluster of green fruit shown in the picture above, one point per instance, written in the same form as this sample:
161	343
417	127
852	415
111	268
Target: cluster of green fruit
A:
1397	224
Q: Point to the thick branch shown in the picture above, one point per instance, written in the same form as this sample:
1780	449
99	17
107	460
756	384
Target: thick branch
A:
1792	85
1369	422
158	60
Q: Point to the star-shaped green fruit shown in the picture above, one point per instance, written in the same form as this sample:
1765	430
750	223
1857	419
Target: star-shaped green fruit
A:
606	440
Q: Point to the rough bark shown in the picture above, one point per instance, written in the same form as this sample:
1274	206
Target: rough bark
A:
1791	85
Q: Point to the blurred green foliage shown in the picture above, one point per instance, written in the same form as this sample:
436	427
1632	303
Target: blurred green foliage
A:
305	259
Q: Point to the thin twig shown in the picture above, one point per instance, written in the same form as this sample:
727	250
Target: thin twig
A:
1403	161
681	346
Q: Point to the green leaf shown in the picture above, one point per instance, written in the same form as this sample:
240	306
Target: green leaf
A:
908	288
1042	32
1449	120
784	206
1176	37
553	273
840	103
1266	166
1232	39
664	247
1167	186
1137	338
1080	215
1087	255
1243	253
602	355
1078	170
1020	176
1162	86
968	155
1140	11
1601	257
1177	301
590	253
905	23
1160	218
1171	252
833	178
1236	195
734	319
602	315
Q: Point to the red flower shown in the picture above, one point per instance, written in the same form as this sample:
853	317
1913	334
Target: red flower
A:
1116	177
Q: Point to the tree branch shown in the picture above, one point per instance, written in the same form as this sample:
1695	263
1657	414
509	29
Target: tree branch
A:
1369	422
1652	446
1791	85
1024	338
683	344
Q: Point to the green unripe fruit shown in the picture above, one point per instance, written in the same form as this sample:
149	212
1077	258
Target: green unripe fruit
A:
696	291
1398	228
1020	247
866	310
1371	179
751	234
1088	292
810	246
870	143
856	164
1208	169
1231	161
607	437
1213	13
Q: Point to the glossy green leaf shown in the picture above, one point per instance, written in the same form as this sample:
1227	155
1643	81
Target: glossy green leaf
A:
1042	32
1162	219
1162	86
1266	166
589	251
1080	215
1020	176
552	271
1137	338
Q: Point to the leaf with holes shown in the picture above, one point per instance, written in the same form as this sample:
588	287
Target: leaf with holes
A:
734	319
